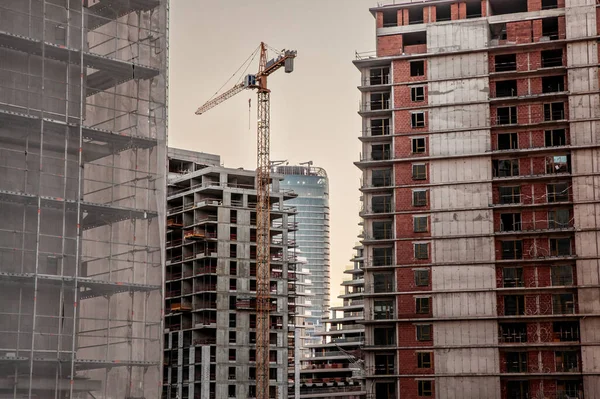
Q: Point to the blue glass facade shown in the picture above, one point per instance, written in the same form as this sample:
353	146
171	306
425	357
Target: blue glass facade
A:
312	186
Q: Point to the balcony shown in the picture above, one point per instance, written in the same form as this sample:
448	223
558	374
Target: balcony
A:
382	105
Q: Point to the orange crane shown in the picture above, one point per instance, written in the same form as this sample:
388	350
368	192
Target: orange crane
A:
263	216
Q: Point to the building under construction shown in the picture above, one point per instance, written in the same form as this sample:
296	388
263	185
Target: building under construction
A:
211	285
480	178
82	198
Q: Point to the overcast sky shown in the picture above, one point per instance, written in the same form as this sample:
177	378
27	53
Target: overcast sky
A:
313	110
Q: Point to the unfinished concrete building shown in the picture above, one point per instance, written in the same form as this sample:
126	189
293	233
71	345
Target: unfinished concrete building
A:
480	163
335	368
82	198
210	320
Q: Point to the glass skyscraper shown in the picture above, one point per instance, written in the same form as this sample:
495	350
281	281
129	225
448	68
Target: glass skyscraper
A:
312	187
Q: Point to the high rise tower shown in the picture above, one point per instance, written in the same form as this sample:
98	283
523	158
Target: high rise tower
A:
480	152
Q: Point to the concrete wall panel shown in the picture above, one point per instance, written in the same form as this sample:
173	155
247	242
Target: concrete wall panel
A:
580	19
461	223
583	133
461	196
458	143
460	117
464	304
467	388
457	66
458	91
471	360
459	170
463	35
463	250
466	332
463	277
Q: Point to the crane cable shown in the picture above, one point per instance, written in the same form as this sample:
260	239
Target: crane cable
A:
248	62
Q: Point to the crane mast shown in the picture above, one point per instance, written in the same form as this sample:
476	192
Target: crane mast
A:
263	206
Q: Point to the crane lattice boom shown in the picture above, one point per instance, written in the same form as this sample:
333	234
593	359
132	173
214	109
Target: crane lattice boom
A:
263	206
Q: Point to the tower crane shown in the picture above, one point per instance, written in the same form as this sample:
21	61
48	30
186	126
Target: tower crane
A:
258	81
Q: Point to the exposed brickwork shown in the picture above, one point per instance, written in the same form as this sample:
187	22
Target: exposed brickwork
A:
379	19
389	45
534	5
404	200
409	388
401	70
519	32
407	335
404	176
405	251
405	278
409	363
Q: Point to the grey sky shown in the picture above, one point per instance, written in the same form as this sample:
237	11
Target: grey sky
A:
313	110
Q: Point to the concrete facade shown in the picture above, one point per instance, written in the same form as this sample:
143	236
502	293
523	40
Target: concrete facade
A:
82	197
479	164
210	320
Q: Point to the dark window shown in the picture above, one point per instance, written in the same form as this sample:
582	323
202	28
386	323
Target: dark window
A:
474	9
553	84
443	13
420	224
232	354
513	332
382	256
384	336
418	145
417	68
566	331
232	337
390	18
383	310
562	275
508	141
231	391
512	277
380	127
568	389
554	111
421	277
419	197
380	152
381	177
417	93
559	219
422	305
517	389
383	282
506	88
414	38
506	116
548	4
232	320
510	222
385	390
385	364
425	388
554	138
560	246
232	373
417	119
383	230
381	204
500	7
415	15
516	362
557	164
567	361
419	171
550	28
424	332
557	192
506	167
510	195
552	58
379	76
421	251
424	360
506	62
514	305
379	101
512	249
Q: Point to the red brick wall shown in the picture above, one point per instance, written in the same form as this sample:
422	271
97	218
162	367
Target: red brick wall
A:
407	307
429	14
404	201
416	49
562	28
405	278
409	362
403	175
405	252
389	45
407	336
379	19
409	389
403	122
405	228
534	5
519	32
401	70
537	30
403	147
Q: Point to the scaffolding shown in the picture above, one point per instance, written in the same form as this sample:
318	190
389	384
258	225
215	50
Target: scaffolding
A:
82	197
